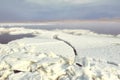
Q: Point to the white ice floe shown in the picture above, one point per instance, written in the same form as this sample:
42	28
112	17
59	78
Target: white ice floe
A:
100	47
38	45
50	55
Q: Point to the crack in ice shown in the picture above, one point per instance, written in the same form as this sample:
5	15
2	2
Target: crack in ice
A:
75	51
57	38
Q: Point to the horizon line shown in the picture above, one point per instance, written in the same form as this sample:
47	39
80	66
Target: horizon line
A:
77	20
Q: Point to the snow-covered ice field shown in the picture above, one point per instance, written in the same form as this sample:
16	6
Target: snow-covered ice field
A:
60	54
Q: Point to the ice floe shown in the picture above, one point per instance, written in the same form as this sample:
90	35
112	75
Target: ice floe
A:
50	55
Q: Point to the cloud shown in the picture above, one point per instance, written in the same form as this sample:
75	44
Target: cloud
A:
61	2
32	10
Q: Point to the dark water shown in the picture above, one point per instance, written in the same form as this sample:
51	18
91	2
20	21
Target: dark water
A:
5	38
98	27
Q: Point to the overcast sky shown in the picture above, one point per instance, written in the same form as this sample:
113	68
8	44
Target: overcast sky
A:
36	10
